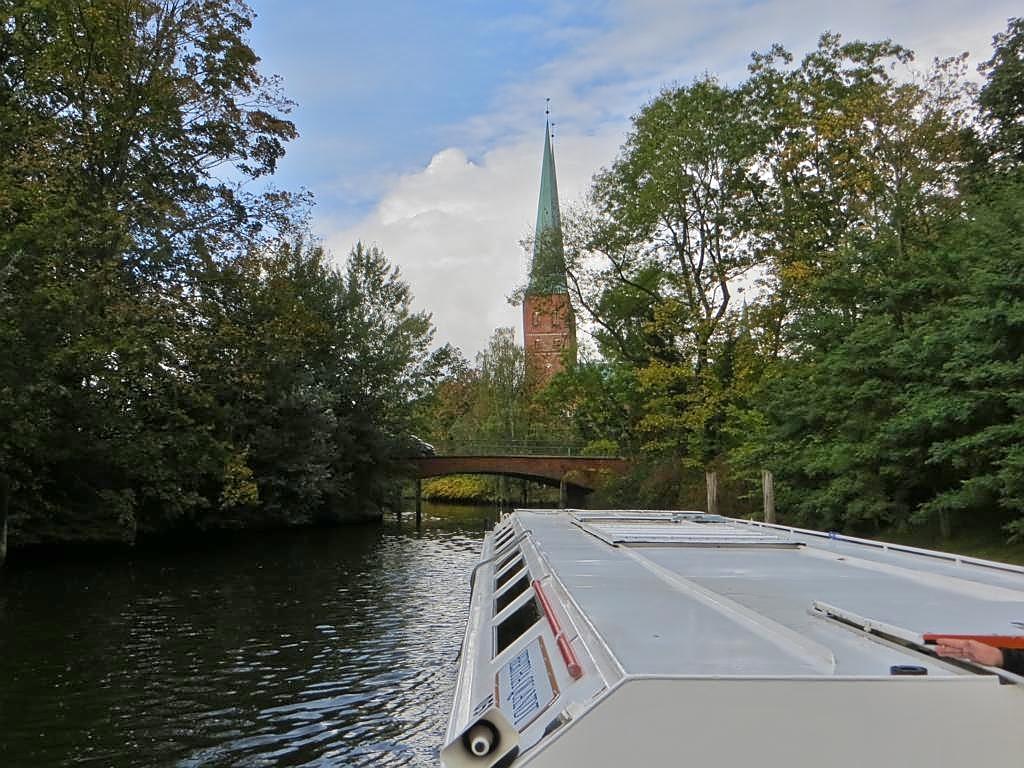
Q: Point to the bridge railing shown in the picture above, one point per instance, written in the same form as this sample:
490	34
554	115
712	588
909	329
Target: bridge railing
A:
512	448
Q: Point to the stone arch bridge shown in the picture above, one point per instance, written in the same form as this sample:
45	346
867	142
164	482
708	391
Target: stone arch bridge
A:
576	476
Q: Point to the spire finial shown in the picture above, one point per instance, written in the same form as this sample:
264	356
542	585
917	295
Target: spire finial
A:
547	106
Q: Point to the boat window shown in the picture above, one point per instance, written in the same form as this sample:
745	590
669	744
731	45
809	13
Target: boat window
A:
503	537
504	600
506	560
513	627
504	577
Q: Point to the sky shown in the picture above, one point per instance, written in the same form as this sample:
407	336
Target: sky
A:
422	123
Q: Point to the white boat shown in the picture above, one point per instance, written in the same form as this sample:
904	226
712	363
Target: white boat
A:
643	638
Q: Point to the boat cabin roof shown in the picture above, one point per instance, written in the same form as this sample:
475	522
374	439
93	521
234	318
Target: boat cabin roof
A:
670	593
622	637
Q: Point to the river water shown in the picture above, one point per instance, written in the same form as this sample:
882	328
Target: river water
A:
303	648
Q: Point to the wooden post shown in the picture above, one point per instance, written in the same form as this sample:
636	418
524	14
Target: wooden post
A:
768	488
945	527
5	495
563	494
712	480
419	502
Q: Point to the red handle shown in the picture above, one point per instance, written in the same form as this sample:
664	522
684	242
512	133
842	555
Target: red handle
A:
568	655
556	630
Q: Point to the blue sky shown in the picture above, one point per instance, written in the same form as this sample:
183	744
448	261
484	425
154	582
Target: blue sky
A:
422	122
382	86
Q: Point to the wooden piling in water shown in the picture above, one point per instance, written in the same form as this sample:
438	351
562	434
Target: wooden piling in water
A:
419	502
711	477
5	495
768	489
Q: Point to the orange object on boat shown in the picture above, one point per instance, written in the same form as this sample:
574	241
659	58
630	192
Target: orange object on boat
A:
997	641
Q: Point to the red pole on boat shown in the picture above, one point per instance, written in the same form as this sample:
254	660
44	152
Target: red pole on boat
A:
997	641
572	664
556	630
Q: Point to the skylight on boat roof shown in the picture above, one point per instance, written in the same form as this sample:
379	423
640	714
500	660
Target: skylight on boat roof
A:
677	529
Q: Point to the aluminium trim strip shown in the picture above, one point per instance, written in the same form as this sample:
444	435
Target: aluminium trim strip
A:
871	627
889	546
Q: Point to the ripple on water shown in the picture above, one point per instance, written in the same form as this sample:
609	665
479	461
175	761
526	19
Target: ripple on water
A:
307	649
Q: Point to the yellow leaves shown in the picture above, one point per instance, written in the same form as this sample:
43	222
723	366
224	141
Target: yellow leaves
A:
239	489
796	272
659	376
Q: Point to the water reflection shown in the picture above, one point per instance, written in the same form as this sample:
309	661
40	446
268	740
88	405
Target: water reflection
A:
310	648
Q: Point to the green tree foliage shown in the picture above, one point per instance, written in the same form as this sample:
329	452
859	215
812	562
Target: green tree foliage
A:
656	264
1002	98
119	118
865	171
877	368
494	404
174	355
601	401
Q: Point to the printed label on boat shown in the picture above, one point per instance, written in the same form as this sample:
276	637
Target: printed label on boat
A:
525	685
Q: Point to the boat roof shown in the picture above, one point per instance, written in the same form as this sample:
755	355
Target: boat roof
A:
616	637
696	594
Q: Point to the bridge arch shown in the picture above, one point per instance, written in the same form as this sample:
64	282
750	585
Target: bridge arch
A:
580	474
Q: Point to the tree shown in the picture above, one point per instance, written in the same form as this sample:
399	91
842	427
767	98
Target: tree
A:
670	234
1002	97
864	168
674	215
122	118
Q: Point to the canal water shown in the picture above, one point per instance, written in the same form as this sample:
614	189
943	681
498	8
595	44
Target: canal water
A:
304	648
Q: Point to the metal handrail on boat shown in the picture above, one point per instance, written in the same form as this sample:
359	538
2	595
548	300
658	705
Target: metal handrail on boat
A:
500	553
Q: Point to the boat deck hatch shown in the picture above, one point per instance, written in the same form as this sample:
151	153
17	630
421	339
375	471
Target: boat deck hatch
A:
679	529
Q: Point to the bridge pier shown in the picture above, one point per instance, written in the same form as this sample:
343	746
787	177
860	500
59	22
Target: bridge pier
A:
5	495
419	502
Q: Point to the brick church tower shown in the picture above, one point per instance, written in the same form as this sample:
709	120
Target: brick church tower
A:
549	327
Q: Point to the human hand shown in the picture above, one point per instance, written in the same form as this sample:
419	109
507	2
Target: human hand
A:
969	650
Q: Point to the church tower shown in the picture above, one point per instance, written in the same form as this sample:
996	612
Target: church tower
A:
549	327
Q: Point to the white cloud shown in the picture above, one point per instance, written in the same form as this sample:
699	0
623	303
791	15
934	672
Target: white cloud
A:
454	227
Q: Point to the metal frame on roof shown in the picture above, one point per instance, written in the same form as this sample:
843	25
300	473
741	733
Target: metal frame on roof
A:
676	529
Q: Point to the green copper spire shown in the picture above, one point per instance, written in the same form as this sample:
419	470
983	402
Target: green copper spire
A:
547	272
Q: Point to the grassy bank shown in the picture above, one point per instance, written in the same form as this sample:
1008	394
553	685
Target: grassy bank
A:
484	489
